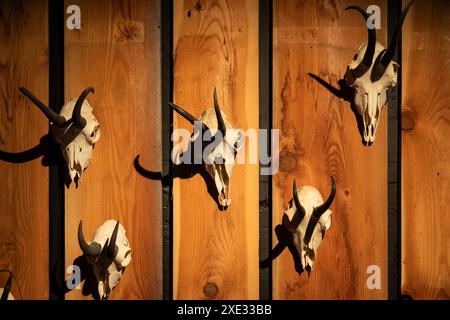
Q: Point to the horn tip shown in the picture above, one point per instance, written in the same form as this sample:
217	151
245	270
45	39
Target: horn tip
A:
80	229
410	3
24	90
87	91
173	106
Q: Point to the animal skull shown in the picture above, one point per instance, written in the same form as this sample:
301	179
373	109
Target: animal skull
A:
5	293
307	218
227	143
108	252
75	129
372	73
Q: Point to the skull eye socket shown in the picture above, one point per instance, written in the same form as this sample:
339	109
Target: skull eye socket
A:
94	132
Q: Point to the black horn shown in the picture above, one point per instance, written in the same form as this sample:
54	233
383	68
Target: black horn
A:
7	288
189	117
54	118
78	120
93	249
324	207
386	57
112	249
298	215
220	122
318	212
366	62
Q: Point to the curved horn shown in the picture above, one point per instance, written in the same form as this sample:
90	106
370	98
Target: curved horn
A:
78	120
54	118
92	249
324	207
384	58
189	117
7	288
298	215
317	213
112	250
220	122
366	62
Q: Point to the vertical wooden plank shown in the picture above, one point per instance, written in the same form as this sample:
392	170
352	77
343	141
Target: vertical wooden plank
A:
319	137
216	252
24	195
117	51
425	152
265	123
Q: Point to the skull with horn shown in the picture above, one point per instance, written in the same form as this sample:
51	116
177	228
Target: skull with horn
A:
220	154
307	218
108	252
75	129
372	73
5	293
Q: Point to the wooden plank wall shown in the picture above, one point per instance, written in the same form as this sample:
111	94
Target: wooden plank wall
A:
24	194
216	252
117	51
426	150
319	137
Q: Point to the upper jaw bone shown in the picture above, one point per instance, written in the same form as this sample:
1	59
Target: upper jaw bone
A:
224	197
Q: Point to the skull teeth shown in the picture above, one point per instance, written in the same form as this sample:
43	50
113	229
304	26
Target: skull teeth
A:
369	130
224	199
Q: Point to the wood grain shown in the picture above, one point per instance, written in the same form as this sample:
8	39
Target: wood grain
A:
216	252
24	191
117	51
426	149
319	137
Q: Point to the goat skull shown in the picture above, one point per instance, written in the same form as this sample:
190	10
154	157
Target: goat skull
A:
226	144
108	252
75	129
372	73
307	218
